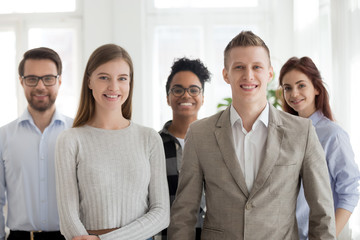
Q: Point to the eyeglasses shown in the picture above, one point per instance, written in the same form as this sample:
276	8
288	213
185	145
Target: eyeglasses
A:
179	91
32	81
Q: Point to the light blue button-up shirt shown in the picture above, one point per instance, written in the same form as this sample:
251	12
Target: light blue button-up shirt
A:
27	174
343	171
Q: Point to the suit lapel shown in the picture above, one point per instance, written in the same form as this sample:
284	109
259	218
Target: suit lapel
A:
272	150
223	133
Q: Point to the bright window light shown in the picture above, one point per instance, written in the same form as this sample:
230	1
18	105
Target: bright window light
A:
8	100
355	114
355	5
63	41
355	134
166	37
36	6
205	3
306	12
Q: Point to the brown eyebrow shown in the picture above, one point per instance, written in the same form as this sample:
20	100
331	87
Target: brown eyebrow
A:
300	81
101	73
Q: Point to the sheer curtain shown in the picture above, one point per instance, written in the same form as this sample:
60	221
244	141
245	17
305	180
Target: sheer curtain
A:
346	64
330	35
345	35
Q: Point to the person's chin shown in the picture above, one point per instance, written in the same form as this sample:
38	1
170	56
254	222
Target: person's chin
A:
41	107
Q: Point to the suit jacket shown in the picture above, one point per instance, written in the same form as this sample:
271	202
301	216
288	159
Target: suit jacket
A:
292	152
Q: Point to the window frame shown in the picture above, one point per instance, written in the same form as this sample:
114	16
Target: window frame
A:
207	19
21	23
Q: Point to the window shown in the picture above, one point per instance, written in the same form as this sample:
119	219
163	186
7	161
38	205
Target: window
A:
36	6
63	41
166	38
205	3
355	5
8	80
202	33
21	32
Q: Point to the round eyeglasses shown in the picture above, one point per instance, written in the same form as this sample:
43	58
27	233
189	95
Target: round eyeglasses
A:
32	81
179	91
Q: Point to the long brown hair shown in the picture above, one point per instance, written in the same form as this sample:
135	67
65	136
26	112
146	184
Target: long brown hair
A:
307	67
102	55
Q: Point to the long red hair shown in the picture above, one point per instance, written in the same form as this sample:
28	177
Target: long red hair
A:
307	67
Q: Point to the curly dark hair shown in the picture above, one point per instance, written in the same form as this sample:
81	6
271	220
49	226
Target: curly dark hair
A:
185	64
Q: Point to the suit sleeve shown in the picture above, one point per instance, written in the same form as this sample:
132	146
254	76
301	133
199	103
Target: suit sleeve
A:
317	189
185	208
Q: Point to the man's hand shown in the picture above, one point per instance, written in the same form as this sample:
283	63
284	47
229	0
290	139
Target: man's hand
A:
86	237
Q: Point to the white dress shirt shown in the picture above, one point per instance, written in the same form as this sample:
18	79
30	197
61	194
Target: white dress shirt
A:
250	146
27	174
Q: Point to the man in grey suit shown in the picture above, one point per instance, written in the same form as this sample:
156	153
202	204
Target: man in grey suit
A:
250	159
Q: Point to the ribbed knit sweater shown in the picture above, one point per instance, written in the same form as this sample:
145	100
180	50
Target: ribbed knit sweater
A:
111	179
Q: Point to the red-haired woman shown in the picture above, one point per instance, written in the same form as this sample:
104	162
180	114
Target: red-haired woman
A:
304	95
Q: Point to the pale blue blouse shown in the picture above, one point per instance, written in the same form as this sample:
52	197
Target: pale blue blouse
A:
343	171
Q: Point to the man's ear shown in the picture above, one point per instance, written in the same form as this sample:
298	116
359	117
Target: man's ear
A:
59	80
21	81
168	100
225	76
271	74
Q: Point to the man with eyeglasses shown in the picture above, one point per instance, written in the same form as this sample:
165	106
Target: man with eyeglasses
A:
184	90
27	172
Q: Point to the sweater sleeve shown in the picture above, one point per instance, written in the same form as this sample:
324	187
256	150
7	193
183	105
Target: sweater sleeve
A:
158	216
67	191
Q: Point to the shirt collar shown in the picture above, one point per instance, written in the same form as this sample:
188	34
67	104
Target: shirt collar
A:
165	128
26	116
316	117
263	117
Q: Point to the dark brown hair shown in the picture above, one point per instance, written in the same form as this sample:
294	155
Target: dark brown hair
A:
39	54
102	55
307	67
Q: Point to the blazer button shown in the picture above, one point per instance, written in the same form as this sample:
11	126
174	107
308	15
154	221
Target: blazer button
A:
249	206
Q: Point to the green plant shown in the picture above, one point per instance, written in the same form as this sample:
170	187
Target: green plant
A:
228	101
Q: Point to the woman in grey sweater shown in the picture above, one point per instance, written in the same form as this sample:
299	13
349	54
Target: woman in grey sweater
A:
110	171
